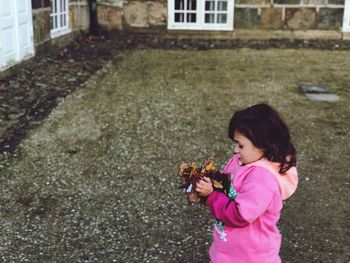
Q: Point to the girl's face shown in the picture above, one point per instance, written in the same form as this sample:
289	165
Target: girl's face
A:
245	149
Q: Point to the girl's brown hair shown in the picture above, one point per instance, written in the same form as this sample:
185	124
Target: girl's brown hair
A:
264	127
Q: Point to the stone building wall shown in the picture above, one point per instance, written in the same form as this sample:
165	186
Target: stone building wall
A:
41	20
125	15
289	14
78	19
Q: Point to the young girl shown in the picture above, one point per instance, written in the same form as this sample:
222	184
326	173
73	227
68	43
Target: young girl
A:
263	173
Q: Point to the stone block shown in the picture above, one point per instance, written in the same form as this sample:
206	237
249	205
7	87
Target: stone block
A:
282	34
157	15
287	2
110	17
314	2
336	2
136	14
79	17
314	88
300	18
323	97
246	17
249	34
118	3
252	2
41	26
271	18
346	35
317	34
330	18
318	92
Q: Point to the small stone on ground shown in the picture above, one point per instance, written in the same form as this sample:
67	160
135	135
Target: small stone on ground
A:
322	97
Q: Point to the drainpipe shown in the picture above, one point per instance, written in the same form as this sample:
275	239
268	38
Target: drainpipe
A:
94	26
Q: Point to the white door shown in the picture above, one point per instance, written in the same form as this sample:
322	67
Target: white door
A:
346	19
16	31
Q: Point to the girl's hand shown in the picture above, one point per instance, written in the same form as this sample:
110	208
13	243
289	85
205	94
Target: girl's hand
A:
204	187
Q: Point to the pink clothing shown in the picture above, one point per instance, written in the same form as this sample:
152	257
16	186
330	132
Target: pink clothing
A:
250	231
288	182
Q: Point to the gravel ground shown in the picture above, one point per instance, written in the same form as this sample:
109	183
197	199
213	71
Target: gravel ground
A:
96	180
30	90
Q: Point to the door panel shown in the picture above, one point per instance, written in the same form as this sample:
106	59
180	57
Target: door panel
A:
346	18
25	29
16	31
7	32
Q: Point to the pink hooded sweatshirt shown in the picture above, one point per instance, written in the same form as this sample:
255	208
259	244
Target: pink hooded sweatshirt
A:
249	232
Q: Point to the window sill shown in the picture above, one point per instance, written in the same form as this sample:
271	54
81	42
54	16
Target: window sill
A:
59	32
200	28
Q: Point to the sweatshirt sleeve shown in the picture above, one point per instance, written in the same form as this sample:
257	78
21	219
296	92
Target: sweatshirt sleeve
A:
225	209
254	198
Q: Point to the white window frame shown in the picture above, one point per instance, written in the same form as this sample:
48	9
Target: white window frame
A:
346	19
59	18
200	17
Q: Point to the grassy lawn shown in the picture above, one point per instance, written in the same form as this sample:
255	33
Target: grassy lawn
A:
97	181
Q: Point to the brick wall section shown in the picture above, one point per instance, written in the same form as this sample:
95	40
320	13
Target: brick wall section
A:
79	16
41	25
41	20
246	17
289	14
271	18
336	2
252	2
330	18
300	18
135	15
110	17
127	15
287	2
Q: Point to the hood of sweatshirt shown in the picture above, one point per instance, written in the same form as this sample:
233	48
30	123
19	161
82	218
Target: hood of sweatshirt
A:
287	181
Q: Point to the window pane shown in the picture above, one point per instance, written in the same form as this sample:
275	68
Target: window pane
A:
209	5
179	4
191	18
53	25
199	15
191	4
209	18
179	17
222	6
222	18
54	6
